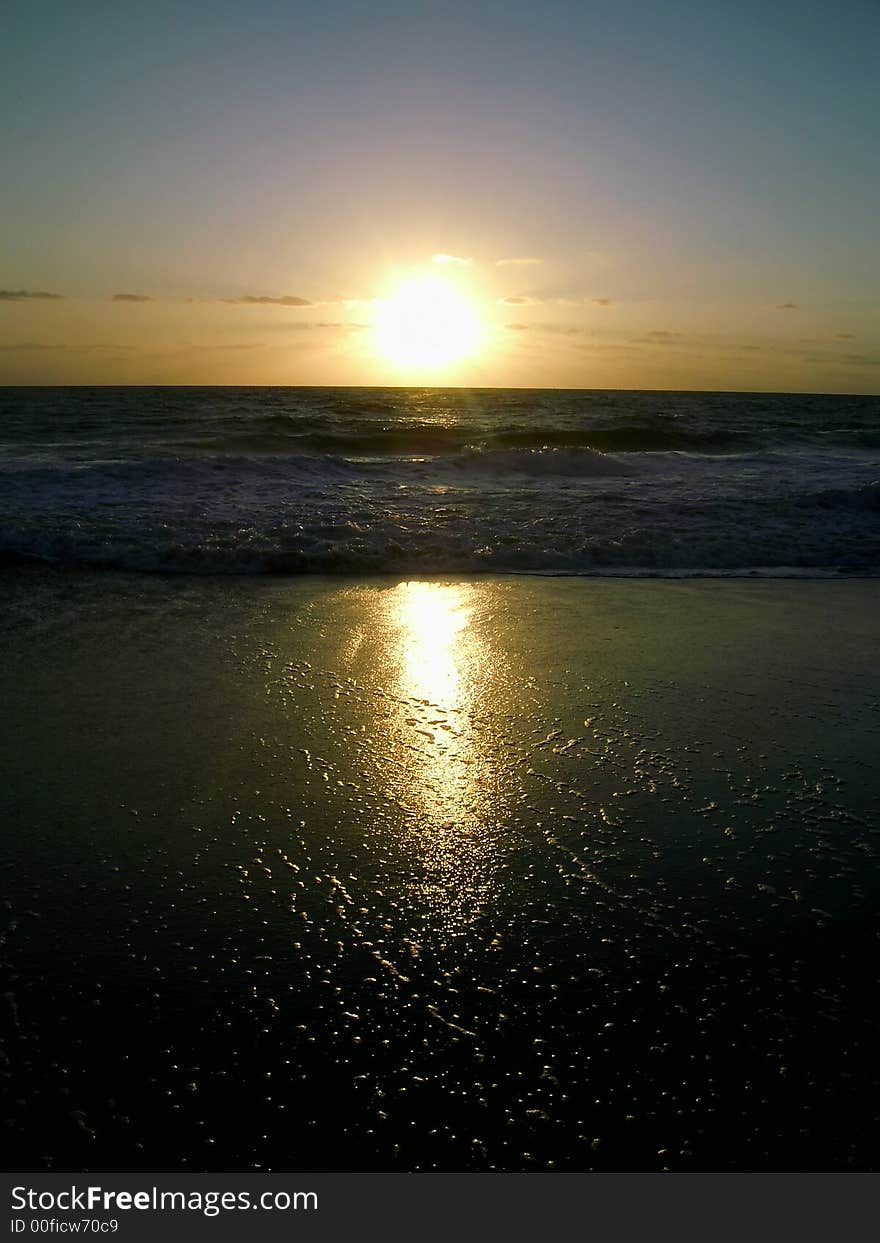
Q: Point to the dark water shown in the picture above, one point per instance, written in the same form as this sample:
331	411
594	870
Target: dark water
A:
219	481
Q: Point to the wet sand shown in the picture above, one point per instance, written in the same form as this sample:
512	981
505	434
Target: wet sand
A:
496	873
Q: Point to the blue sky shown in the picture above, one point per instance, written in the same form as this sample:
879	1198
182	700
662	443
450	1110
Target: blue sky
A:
705	171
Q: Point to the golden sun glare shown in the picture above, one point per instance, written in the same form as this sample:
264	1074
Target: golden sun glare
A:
426	323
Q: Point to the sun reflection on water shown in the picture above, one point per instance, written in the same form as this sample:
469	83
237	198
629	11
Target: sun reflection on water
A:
443	670
432	617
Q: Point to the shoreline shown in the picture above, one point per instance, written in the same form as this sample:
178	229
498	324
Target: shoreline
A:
10	561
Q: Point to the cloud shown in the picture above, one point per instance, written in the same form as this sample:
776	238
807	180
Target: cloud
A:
260	300
519	300
527	261
455	260
558	299
20	295
787	306
608	348
660	336
561	330
221	348
309	325
85	348
130	297
286	328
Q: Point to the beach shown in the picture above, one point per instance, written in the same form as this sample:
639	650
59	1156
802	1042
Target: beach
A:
439	872
439	619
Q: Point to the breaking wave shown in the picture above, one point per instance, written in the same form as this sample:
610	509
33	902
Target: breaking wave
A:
436	481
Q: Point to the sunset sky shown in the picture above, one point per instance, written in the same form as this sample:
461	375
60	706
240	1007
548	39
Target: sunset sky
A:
634	194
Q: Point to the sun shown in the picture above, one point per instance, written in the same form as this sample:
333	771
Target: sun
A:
426	323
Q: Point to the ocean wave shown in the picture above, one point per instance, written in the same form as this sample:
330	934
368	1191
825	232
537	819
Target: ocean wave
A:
864	497
142	423
323	517
394	558
540	461
434	481
263	467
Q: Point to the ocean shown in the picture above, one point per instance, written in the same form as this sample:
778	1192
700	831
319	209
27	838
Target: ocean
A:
373	481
